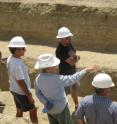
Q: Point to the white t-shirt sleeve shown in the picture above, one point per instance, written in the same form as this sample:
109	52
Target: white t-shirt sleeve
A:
19	75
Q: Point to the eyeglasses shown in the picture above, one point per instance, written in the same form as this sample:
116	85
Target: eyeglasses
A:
68	38
23	48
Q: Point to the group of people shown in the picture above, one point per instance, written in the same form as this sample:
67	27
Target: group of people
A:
52	88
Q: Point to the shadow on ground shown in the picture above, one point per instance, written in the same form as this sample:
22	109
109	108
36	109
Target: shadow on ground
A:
53	42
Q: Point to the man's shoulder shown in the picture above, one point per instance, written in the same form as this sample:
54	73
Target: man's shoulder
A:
87	99
14	62
114	105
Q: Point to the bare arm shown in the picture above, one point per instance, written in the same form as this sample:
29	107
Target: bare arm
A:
24	88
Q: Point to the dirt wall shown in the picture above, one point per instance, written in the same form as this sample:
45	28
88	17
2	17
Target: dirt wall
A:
94	28
4	85
84	89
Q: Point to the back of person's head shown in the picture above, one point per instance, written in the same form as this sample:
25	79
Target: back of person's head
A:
99	90
102	81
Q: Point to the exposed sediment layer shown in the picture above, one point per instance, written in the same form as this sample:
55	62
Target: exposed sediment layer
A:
93	25
84	89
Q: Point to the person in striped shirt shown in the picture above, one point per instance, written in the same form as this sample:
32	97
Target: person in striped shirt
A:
98	108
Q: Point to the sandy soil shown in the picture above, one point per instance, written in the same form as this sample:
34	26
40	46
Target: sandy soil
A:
107	61
7	113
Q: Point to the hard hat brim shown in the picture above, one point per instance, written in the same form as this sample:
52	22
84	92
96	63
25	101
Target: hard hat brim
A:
17	46
56	62
109	86
64	36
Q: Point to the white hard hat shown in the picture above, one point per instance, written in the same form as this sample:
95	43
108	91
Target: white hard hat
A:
63	32
102	80
17	41
46	61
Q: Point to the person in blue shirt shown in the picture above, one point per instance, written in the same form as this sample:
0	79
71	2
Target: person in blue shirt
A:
98	108
49	87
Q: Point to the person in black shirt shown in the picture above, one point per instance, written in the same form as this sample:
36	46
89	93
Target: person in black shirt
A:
68	59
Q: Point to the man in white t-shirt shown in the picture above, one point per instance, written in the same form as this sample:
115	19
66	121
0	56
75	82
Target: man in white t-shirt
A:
19	80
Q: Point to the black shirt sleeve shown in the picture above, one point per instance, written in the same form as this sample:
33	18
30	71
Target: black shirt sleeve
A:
61	53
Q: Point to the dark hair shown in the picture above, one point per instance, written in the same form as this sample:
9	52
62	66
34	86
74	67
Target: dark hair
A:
44	70
12	49
99	90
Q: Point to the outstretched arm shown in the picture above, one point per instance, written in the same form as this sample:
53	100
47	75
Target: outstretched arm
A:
67	80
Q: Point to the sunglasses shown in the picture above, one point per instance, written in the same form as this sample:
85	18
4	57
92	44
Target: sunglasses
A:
23	48
68	38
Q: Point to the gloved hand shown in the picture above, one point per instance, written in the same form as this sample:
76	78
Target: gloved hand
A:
47	107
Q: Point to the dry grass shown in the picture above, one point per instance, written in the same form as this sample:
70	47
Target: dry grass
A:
107	61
